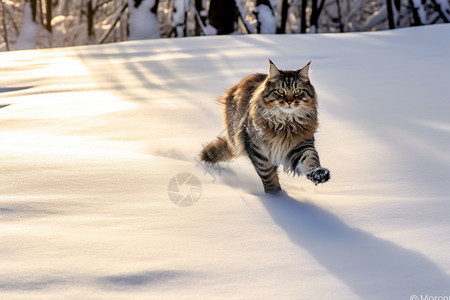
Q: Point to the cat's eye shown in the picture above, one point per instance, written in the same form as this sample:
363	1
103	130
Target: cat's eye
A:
297	92
281	91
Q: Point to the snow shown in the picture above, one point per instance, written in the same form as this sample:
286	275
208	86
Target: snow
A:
266	18
380	16
241	12
444	7
178	16
418	5
92	136
210	30
28	31
143	24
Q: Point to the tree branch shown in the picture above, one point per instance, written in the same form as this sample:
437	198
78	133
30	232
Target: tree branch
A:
116	20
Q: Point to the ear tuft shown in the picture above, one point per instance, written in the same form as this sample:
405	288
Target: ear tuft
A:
273	70
304	72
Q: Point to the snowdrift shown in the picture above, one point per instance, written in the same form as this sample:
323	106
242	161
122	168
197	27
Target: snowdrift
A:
92	137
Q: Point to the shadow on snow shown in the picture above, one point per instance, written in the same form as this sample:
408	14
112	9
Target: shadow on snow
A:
372	267
13	89
142	280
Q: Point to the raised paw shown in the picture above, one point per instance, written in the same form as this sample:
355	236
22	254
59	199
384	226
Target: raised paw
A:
318	175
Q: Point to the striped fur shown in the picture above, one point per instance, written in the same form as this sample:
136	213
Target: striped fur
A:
216	151
272	120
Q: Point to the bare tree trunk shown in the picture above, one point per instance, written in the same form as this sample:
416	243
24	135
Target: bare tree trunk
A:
284	14
393	11
303	17
90	19
122	10
5	31
314	18
445	16
48	15
222	15
11	18
315	14
154	9
341	26
199	21
41	12
417	12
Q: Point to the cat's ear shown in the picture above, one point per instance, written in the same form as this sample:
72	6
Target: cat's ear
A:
303	73
273	71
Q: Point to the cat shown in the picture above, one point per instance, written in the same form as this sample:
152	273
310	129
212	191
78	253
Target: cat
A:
271	118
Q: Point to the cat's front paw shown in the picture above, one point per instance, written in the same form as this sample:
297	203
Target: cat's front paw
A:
318	175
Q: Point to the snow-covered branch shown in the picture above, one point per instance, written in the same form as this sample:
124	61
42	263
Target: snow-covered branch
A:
49	23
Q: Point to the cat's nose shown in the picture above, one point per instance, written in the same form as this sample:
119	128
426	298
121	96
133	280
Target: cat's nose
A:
289	101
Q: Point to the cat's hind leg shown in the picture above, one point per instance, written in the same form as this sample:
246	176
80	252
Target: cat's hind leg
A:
216	151
269	177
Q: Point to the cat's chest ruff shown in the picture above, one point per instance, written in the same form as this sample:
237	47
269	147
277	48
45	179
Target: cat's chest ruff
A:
278	139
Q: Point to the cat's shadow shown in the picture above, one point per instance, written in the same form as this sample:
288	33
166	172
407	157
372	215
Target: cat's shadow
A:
371	267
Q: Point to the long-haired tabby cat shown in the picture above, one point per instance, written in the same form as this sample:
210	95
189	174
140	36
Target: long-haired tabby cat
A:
271	119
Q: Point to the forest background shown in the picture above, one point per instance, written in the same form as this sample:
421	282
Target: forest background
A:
29	24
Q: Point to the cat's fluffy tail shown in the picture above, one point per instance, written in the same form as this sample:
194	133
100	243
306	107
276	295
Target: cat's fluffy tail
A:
217	150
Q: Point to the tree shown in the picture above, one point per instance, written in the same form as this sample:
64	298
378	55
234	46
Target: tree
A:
338	6
443	8
393	11
117	18
284	15
222	15
90	19
303	24
316	9
200	17
179	17
418	12
48	15
5	30
78	22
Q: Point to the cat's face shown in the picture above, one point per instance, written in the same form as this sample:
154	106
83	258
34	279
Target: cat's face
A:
289	91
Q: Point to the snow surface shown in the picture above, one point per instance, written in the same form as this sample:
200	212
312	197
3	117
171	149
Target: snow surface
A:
92	136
